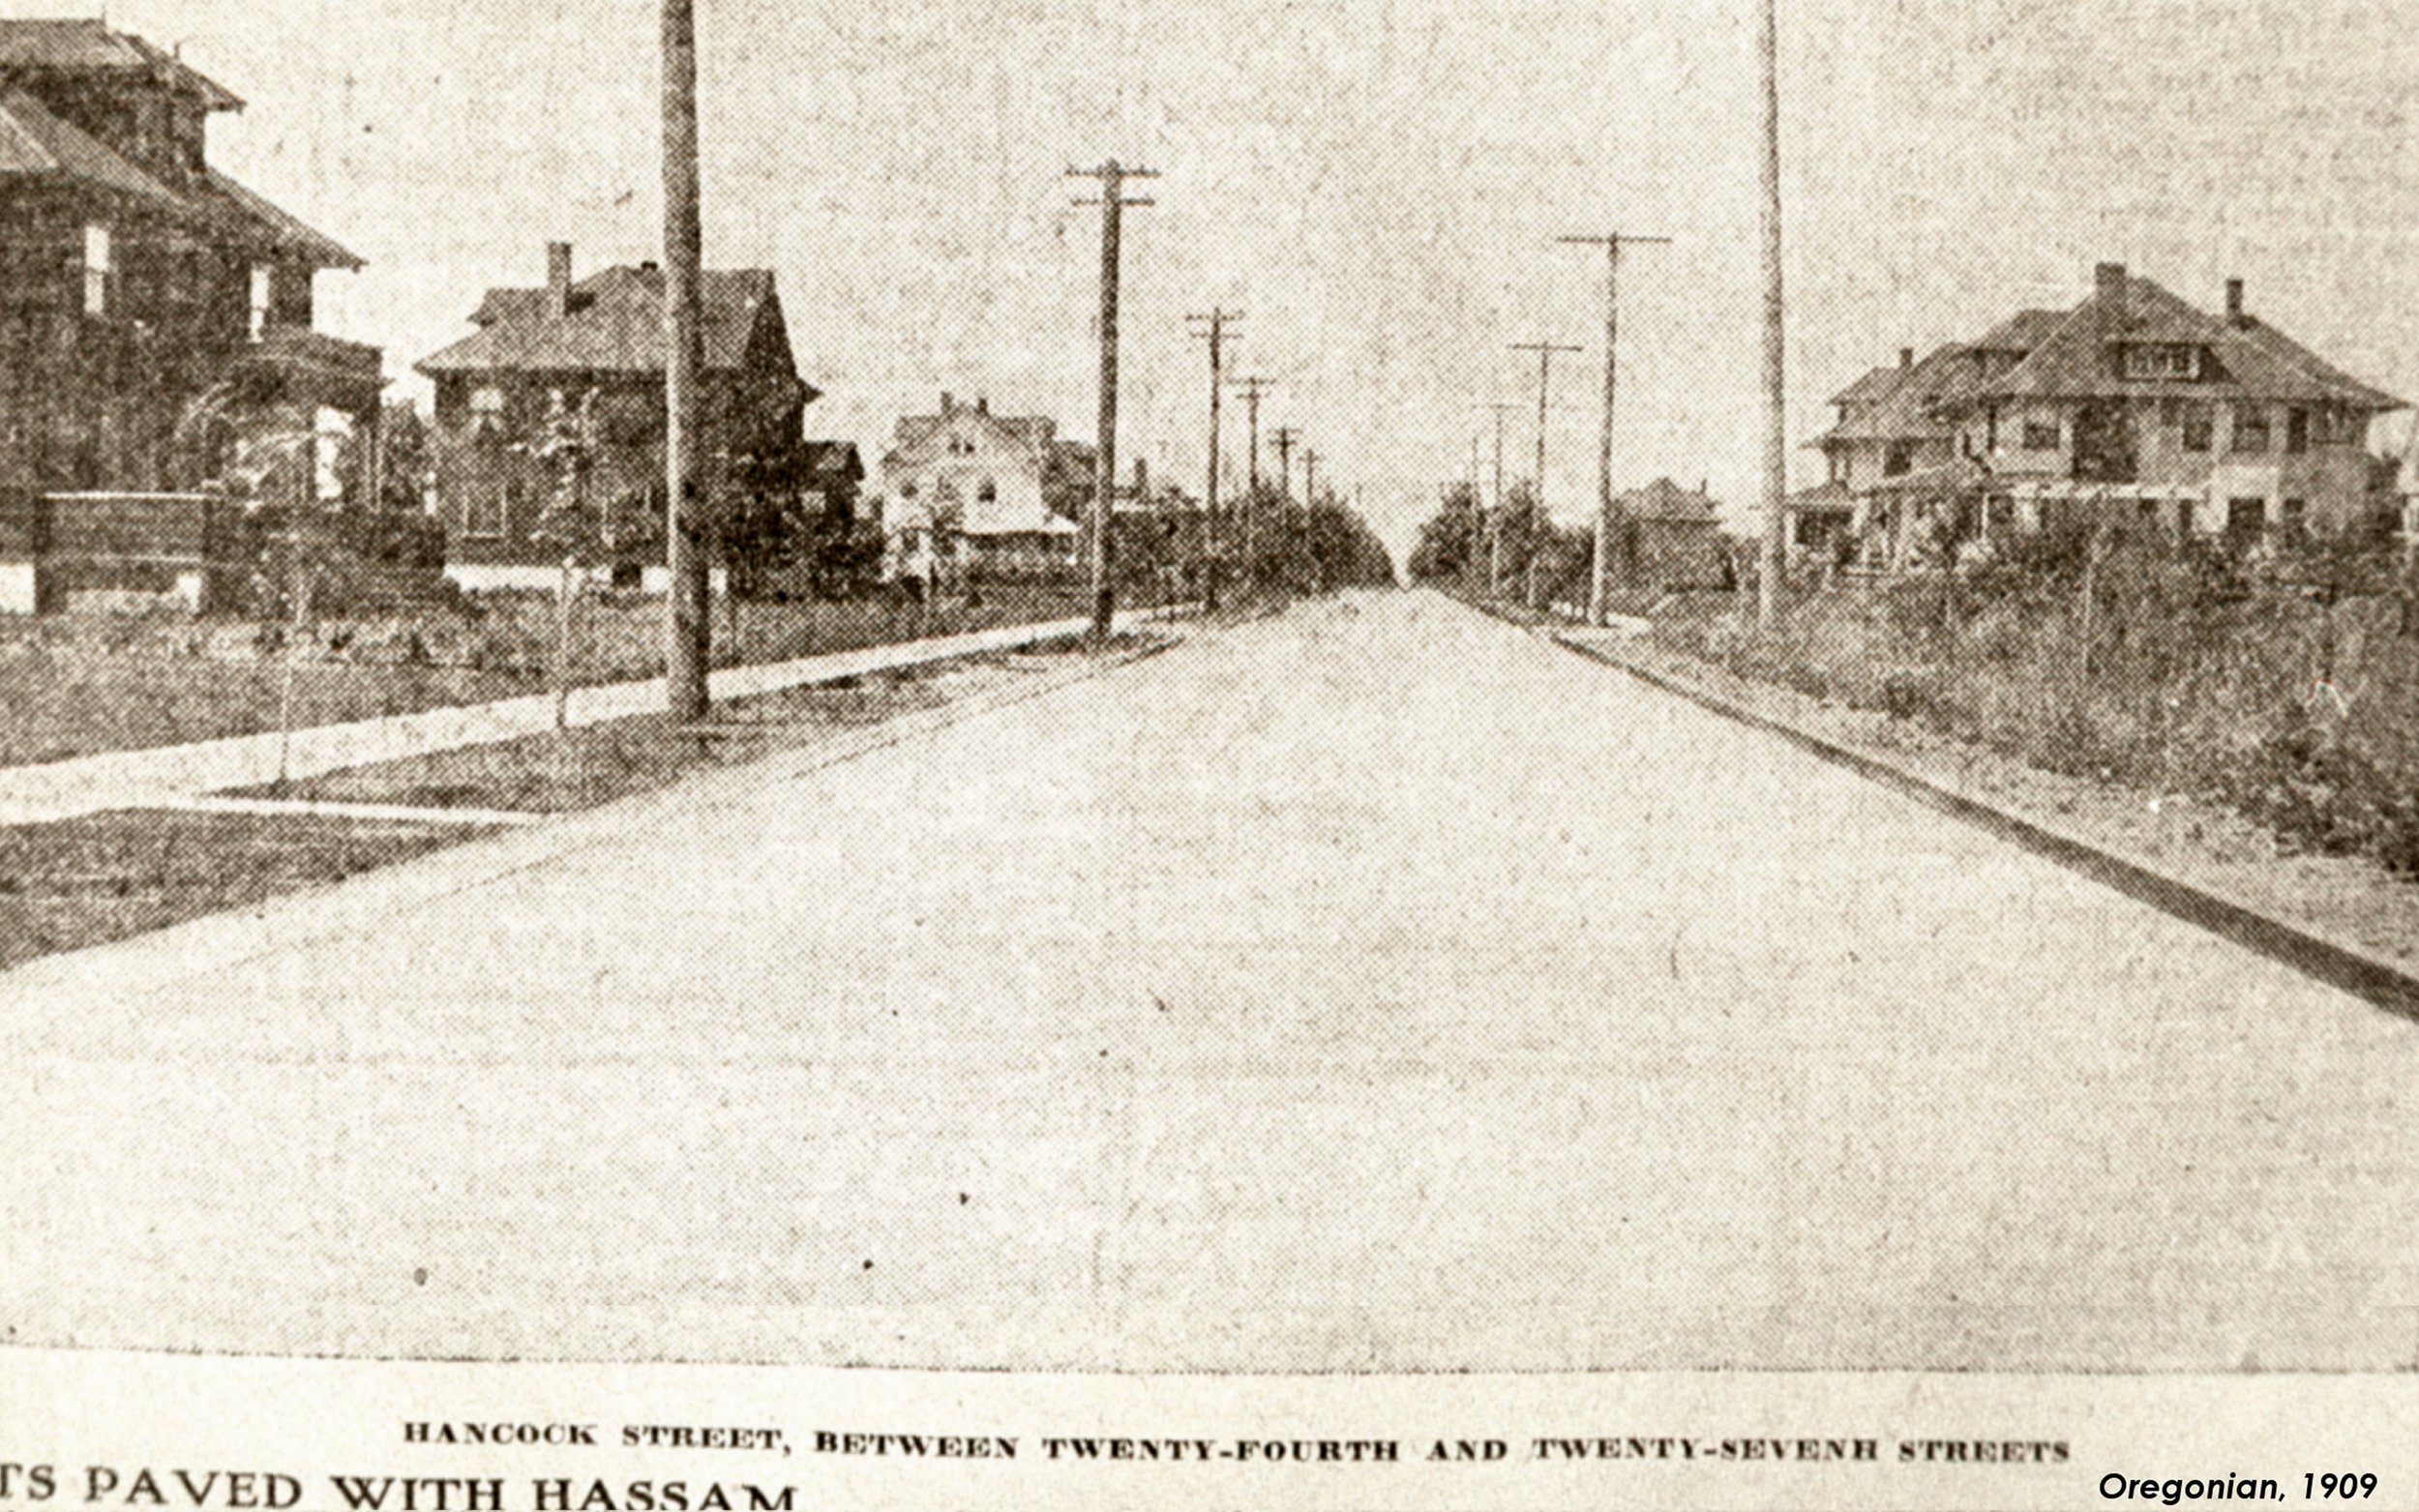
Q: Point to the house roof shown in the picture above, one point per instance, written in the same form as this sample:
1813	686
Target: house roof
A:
2022	331
2075	360
36	145
83	45
1035	433
1666	500
616	324
1900	408
1825	498
836	459
287	232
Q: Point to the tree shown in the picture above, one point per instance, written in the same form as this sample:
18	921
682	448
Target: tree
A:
583	528
1452	541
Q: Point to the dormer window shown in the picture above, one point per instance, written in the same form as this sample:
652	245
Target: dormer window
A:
2162	362
99	262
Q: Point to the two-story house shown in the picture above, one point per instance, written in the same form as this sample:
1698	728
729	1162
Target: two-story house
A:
155	315
593	347
966	489
2133	402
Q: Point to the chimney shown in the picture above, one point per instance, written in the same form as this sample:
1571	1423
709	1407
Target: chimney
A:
1907	358
948	403
982	404
2108	282
2234	302
558	278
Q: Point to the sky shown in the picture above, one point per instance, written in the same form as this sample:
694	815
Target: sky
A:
1378	184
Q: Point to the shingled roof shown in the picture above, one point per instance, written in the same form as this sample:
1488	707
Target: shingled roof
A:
615	324
1898	403
1037	433
37	146
1666	500
84	45
2077	360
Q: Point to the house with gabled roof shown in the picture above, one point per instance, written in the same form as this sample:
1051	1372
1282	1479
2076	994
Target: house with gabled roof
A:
1671	537
2133	404
965	489
156	315
592	348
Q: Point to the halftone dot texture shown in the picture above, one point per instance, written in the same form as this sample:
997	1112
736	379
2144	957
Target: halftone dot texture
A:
1366	987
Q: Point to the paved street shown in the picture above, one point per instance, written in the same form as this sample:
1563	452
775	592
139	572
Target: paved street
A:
1374	986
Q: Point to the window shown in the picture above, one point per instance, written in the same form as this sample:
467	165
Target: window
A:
2245	519
986	492
487	406
1899	459
2199	429
260	285
2251	428
99	262
2162	361
2040	435
2296	431
2295	516
486	515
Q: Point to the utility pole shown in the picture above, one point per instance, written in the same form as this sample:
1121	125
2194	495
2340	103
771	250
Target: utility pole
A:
1775	371
685	625
1113	203
1253	388
1495	515
1599	581
1309	477
1545	351
1217	319
1285	437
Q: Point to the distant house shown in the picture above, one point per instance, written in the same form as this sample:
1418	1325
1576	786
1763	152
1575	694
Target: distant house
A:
965	489
1672	537
2133	404
155	315
540	352
833	472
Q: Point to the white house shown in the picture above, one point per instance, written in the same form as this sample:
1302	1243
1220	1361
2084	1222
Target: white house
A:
966	487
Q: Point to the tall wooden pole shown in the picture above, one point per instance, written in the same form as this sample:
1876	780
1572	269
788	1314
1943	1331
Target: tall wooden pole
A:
686	627
1219	318
1775	372
1601	580
1112	175
1543	523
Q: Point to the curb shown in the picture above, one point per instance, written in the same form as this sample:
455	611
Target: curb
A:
2334	962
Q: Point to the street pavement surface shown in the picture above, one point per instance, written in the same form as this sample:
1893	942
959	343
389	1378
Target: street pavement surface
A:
1372	987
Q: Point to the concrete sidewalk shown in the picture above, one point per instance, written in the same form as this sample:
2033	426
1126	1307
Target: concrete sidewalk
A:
166	776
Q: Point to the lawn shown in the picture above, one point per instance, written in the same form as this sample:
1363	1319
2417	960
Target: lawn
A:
105	877
72	686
